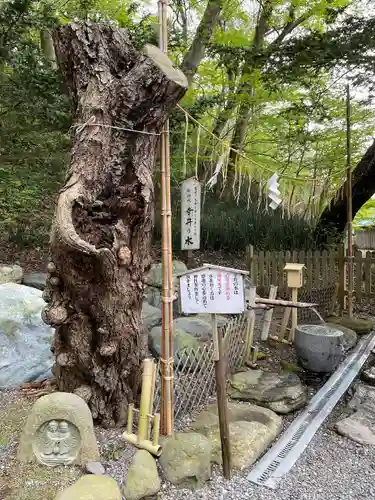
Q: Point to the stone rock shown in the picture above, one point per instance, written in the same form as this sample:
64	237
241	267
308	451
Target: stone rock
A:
252	429
35	280
360	426
10	274
220	320
280	392
92	488
369	376
183	342
143	479
95	468
153	296
25	341
151	316
195	326
186	460
350	338
61	418
155	275
359	325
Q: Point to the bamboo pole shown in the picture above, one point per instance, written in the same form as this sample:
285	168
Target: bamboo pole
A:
349	204
166	406
292	331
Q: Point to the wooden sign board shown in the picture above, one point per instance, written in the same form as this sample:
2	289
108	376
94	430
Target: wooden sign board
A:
213	290
190	214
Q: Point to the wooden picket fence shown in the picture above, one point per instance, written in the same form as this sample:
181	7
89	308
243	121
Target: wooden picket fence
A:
323	269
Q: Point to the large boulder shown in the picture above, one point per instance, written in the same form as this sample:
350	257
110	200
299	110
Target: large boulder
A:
10	274
184	344
350	338
92	488
24	339
252	429
360	425
151	316
359	325
35	280
143	479
155	276
186	460
195	326
280	392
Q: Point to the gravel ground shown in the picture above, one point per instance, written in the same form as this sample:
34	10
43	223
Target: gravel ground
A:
332	468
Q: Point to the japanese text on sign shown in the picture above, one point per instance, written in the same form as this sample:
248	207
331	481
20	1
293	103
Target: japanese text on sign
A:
190	214
214	291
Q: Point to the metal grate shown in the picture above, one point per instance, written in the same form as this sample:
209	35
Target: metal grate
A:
194	370
284	454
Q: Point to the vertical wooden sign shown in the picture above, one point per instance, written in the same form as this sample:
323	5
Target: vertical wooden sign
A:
190	214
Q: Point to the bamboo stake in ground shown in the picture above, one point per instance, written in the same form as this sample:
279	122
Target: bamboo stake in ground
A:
166	405
268	315
349	206
221	395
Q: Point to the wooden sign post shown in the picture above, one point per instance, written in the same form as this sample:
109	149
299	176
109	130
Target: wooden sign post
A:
215	290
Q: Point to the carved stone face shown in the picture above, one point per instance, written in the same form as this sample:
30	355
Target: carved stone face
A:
53	426
63	427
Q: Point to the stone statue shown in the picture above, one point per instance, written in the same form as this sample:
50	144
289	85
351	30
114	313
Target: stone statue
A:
57	443
59	431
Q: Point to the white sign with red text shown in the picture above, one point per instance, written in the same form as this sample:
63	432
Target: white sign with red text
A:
212	290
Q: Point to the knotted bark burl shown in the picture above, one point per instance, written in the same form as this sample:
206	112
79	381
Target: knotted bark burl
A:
101	234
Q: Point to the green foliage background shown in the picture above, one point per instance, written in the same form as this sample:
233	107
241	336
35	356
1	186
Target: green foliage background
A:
292	93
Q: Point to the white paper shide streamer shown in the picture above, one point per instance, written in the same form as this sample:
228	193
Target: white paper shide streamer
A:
273	192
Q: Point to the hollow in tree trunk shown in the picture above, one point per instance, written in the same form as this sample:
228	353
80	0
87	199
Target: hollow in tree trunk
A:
101	235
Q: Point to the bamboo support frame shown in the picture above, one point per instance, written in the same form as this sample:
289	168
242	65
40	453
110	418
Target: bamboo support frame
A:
250	356
142	439
167	416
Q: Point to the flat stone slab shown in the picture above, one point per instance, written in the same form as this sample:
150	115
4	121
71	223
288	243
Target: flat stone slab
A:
252	429
280	392
59	431
359	325
92	488
360	425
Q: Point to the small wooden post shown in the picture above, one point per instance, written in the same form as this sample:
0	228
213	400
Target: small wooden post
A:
221	395
294	315
250	325
268	315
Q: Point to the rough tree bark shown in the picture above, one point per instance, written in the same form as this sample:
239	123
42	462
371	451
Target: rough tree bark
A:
334	217
100	238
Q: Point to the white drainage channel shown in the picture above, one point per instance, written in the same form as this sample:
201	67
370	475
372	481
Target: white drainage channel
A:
284	454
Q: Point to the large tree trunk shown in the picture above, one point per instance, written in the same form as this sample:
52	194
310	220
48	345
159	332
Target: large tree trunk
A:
334	217
100	239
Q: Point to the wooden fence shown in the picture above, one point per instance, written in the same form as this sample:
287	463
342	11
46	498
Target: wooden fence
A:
365	239
323	269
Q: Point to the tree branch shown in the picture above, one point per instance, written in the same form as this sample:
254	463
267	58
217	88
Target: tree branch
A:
202	37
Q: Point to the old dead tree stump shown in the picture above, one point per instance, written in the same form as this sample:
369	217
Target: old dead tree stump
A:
101	234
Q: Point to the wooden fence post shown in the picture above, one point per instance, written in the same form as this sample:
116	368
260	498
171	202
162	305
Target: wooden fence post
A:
342	276
268	315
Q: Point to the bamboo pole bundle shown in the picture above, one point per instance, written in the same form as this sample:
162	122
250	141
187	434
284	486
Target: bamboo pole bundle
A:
166	409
